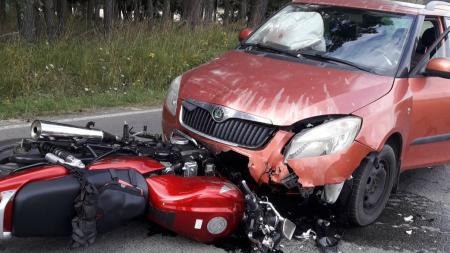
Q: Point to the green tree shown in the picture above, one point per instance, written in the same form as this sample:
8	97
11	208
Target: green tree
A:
258	13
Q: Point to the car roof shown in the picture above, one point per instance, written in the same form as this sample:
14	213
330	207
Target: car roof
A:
432	9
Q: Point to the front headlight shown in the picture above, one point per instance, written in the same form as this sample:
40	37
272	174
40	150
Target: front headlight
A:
328	138
172	96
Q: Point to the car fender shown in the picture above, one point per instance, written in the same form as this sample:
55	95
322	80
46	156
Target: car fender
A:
387	116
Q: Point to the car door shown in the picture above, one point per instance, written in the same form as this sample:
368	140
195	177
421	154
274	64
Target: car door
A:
429	138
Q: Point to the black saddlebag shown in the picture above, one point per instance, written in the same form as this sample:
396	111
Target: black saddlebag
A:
46	208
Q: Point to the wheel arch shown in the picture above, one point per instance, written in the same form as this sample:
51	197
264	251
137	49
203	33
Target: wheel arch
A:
395	141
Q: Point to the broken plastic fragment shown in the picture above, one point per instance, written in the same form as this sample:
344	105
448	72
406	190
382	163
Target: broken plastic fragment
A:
409	218
306	235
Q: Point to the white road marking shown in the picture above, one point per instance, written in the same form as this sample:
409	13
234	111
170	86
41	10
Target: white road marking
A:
93	117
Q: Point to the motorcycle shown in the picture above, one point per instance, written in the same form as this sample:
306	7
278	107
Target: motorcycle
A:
79	181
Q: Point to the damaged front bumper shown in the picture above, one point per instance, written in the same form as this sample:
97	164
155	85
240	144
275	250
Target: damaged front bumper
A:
268	165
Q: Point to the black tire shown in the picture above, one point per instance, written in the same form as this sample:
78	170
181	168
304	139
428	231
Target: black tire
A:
371	187
7	148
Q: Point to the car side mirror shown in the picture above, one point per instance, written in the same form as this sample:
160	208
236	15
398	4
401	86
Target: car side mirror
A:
245	33
439	67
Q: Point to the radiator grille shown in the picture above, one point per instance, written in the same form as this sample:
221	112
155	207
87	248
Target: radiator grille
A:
235	131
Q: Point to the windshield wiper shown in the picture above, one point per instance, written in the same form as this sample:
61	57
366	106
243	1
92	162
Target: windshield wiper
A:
272	49
303	53
321	56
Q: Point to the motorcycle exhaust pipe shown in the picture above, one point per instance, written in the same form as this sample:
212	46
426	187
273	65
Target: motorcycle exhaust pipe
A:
51	130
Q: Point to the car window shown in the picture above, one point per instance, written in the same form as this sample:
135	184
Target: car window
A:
441	51
371	39
428	35
427	24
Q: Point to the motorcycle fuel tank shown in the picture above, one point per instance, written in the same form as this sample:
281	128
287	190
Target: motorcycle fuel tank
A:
200	208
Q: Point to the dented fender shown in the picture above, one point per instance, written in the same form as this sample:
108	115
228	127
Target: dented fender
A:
330	169
268	164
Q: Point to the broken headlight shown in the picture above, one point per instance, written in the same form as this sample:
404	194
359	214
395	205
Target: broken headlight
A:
329	138
172	96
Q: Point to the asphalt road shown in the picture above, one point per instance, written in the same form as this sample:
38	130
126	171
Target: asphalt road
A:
424	194
110	121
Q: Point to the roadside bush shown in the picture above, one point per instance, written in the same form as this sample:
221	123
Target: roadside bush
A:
132	66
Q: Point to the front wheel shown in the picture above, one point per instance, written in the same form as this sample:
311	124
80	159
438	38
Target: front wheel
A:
371	188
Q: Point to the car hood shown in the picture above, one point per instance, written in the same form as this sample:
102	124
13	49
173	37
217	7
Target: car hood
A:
282	91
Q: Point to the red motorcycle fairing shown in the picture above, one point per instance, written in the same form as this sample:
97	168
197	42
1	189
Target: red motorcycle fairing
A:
16	181
201	208
183	205
141	164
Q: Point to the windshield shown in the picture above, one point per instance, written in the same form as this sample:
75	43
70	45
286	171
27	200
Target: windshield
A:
369	39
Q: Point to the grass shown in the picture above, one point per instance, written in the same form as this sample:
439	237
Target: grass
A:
133	66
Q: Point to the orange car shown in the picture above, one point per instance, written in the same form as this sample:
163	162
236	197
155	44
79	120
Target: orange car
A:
327	98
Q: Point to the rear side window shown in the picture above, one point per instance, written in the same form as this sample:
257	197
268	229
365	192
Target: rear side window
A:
447	22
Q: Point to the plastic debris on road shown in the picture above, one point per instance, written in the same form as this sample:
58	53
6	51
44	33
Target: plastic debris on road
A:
409	218
307	235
